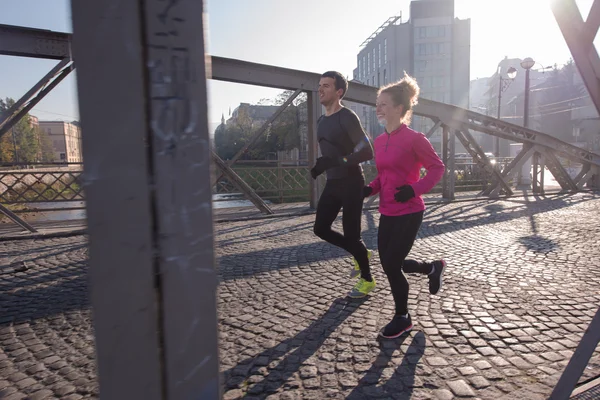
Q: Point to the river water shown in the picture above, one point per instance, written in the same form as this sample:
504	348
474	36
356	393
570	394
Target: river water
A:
43	211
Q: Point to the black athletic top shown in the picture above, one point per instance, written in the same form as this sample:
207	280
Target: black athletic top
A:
341	135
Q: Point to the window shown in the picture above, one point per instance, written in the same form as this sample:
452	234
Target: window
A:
385	51
374	65
379	55
363	68
368	63
378	83
384	78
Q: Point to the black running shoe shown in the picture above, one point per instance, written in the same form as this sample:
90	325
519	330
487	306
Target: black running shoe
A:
436	277
397	327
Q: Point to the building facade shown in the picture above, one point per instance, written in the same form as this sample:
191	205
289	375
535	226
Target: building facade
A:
433	46
66	140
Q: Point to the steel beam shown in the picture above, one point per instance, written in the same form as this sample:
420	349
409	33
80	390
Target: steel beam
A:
259	132
434	128
559	173
148	193
242	186
512	169
538	173
231	70
36	43
585	168
580	42
592	22
579	360
22	106
448	180
12	216
471	145
585	176
458	118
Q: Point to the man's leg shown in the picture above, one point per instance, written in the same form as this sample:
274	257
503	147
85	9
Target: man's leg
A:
352	223
328	209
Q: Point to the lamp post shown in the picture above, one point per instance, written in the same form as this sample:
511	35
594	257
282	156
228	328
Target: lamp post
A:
527	64
511	73
525	175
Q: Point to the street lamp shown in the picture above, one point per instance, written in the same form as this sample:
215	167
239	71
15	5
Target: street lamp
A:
524	176
511	73
527	64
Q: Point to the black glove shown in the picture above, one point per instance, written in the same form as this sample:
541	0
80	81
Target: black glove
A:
367	190
323	164
404	193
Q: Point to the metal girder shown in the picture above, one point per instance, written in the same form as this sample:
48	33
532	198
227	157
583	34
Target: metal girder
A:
458	118
579	37
241	185
512	169
538	173
448	180
585	176
592	22
11	215
153	281
37	43
28	100
471	145
238	71
232	70
585	168
260	131
434	128
562	177
579	360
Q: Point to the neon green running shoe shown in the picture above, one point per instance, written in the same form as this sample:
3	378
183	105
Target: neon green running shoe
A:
356	270
362	288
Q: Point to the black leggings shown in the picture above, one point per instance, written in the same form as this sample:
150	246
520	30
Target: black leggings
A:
395	238
347	193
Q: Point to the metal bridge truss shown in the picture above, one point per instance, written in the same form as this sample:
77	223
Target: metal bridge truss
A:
145	66
456	123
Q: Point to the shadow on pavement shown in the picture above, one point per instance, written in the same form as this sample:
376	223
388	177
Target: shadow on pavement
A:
304	345
402	381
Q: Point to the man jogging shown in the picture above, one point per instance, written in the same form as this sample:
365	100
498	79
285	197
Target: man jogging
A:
344	145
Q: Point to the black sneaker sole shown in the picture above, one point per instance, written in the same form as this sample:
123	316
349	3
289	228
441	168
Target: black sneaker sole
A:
408	329
441	278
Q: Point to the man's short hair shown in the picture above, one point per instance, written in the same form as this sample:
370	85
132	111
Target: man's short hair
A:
340	81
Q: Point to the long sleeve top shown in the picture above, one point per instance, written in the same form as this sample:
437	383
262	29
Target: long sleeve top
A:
399	156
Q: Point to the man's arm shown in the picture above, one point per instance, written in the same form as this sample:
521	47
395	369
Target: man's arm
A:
363	150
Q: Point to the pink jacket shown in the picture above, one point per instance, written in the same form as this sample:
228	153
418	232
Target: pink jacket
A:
399	157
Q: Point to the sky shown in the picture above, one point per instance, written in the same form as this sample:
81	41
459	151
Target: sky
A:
311	35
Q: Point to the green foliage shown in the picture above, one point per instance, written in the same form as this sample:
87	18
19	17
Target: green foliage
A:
23	142
282	134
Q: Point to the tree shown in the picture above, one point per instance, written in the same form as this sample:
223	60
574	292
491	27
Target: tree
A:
283	134
24	142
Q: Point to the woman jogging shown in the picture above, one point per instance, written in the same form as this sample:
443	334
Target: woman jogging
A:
399	155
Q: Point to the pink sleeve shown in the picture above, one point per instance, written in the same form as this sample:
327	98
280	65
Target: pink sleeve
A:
432	163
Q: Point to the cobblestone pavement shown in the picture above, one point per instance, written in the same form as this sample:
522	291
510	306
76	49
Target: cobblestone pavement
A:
523	283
